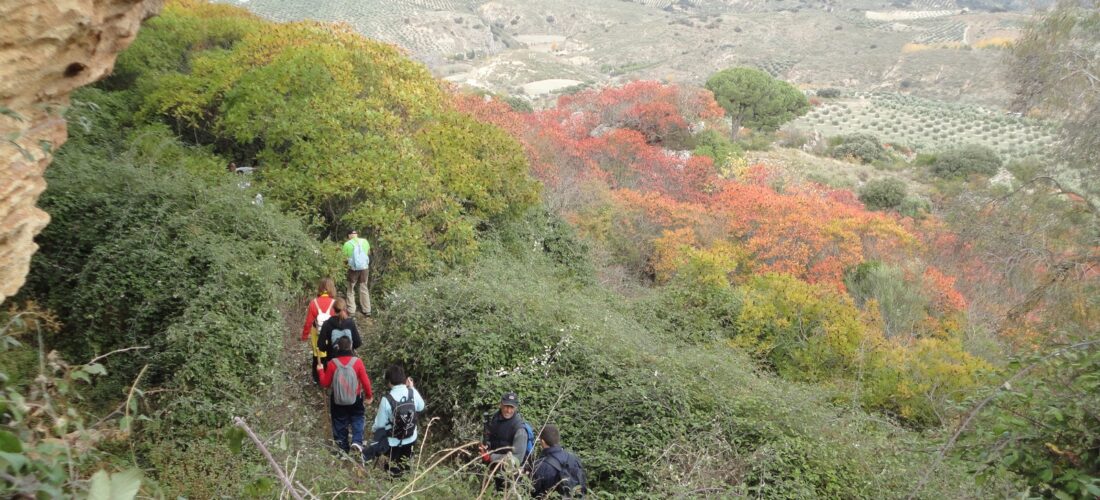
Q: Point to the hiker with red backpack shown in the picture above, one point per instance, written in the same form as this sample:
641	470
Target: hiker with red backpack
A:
319	311
339	325
347	376
394	426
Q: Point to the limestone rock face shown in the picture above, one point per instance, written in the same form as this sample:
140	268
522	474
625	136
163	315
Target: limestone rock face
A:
47	49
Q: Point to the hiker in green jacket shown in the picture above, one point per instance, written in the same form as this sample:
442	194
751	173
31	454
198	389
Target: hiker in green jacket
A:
357	251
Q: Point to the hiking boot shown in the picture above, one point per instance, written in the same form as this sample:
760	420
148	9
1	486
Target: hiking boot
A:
357	449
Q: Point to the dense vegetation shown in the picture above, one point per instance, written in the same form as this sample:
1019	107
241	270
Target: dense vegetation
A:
696	324
344	130
151	246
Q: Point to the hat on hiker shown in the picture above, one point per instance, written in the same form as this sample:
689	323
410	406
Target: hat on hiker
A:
510	399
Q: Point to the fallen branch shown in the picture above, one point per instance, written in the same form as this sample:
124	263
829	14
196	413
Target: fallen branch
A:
239	422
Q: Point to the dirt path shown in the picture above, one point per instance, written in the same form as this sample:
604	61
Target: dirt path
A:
296	405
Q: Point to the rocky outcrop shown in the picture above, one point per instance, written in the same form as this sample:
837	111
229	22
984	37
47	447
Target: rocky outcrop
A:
47	49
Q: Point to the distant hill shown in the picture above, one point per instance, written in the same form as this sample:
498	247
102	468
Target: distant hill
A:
940	49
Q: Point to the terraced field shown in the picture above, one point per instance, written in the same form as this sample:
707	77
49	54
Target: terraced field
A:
942	32
934	4
928	125
426	28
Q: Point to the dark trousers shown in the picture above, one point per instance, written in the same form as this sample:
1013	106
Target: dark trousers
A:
399	456
340	428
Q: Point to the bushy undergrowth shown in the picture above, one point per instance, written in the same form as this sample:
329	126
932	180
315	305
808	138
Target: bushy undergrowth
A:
883	194
143	252
966	160
647	412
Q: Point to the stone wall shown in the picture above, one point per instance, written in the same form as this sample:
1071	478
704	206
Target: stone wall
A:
47	49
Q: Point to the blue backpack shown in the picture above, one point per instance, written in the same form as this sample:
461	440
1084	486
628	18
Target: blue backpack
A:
336	335
359	259
530	440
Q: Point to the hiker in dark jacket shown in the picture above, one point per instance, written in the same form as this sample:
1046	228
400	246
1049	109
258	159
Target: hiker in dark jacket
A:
557	470
505	437
350	388
339	325
504	443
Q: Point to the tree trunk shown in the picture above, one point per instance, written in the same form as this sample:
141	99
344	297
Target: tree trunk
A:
735	129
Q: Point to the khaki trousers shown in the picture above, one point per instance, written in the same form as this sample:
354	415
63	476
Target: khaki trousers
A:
357	288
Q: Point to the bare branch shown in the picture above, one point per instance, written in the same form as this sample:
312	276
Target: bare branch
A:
239	422
116	351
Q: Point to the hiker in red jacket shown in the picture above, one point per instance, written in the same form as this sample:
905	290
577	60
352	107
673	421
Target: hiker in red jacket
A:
350	388
320	310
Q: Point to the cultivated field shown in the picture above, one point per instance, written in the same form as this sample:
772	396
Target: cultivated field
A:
928	125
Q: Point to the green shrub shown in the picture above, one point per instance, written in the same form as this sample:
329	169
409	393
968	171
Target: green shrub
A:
693	310
141	251
718	147
883	194
965	161
863	147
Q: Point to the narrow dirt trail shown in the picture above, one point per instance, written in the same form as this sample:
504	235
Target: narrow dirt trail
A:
293	421
295	404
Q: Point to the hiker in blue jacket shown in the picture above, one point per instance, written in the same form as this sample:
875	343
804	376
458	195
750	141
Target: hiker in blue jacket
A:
395	424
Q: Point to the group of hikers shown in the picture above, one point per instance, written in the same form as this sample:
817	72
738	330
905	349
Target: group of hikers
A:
507	442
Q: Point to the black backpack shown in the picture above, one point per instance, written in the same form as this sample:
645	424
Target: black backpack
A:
571	480
404	416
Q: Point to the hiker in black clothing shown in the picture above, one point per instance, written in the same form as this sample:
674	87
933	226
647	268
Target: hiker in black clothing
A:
339	325
504	443
505	436
557	470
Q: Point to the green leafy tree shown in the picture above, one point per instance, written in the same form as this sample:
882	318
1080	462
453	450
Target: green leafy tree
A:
754	99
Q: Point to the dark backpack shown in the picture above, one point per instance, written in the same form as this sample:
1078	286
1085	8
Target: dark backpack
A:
403	415
571	481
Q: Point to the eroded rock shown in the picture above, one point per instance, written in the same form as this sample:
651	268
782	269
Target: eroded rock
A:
48	48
